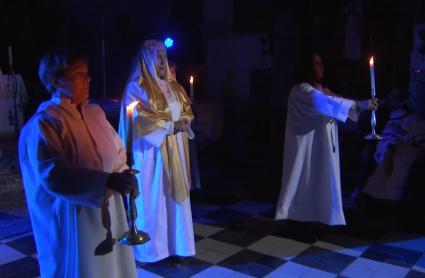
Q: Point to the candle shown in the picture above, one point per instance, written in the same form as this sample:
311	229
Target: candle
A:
191	88
10	56
129	141
372	77
372	135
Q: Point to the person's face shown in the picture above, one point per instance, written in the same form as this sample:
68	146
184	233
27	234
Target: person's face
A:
75	83
161	63
318	68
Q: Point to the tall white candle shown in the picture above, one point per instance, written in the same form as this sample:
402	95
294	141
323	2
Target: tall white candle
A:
191	88
372	77
10	56
130	114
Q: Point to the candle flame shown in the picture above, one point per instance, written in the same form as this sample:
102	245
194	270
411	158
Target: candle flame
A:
371	61
131	106
191	79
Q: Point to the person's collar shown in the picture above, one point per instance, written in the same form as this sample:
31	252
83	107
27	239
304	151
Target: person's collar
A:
66	104
65	101
62	101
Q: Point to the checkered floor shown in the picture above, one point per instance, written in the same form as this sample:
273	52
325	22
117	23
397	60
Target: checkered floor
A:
241	239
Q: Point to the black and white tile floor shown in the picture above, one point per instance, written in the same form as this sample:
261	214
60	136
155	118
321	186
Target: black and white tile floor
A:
241	239
236	235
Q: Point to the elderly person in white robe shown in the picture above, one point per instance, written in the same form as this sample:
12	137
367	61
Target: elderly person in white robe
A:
311	186
161	129
73	166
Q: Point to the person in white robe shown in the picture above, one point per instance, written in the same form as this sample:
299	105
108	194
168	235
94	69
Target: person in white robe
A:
73	167
161	129
311	185
195	171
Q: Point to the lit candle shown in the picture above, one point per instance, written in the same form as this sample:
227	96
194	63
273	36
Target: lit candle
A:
10	56
372	77
191	88
129	143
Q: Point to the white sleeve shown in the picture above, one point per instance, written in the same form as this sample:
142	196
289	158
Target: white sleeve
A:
47	158
354	113
156	137
310	101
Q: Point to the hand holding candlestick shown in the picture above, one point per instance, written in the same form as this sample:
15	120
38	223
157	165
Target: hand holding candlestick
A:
373	135
132	236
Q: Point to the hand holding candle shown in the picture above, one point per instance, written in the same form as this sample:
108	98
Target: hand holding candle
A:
191	88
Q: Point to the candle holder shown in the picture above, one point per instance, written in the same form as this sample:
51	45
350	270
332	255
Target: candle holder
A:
133	236
373	135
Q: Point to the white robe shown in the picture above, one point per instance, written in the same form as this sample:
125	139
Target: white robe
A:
311	186
168	223
65	159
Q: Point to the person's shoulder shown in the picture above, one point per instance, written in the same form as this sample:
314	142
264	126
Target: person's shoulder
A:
95	110
94	107
135	91
176	85
47	111
135	85
301	88
304	86
47	114
47	107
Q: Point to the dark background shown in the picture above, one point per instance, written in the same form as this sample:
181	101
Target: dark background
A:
251	133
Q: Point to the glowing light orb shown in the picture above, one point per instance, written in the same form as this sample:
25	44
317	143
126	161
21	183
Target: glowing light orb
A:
168	42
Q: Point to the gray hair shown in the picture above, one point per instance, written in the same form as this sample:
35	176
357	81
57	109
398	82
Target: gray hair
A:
54	64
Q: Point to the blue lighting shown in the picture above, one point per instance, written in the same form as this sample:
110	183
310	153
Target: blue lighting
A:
168	42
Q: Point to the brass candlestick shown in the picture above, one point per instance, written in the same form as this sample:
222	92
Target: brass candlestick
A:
133	236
